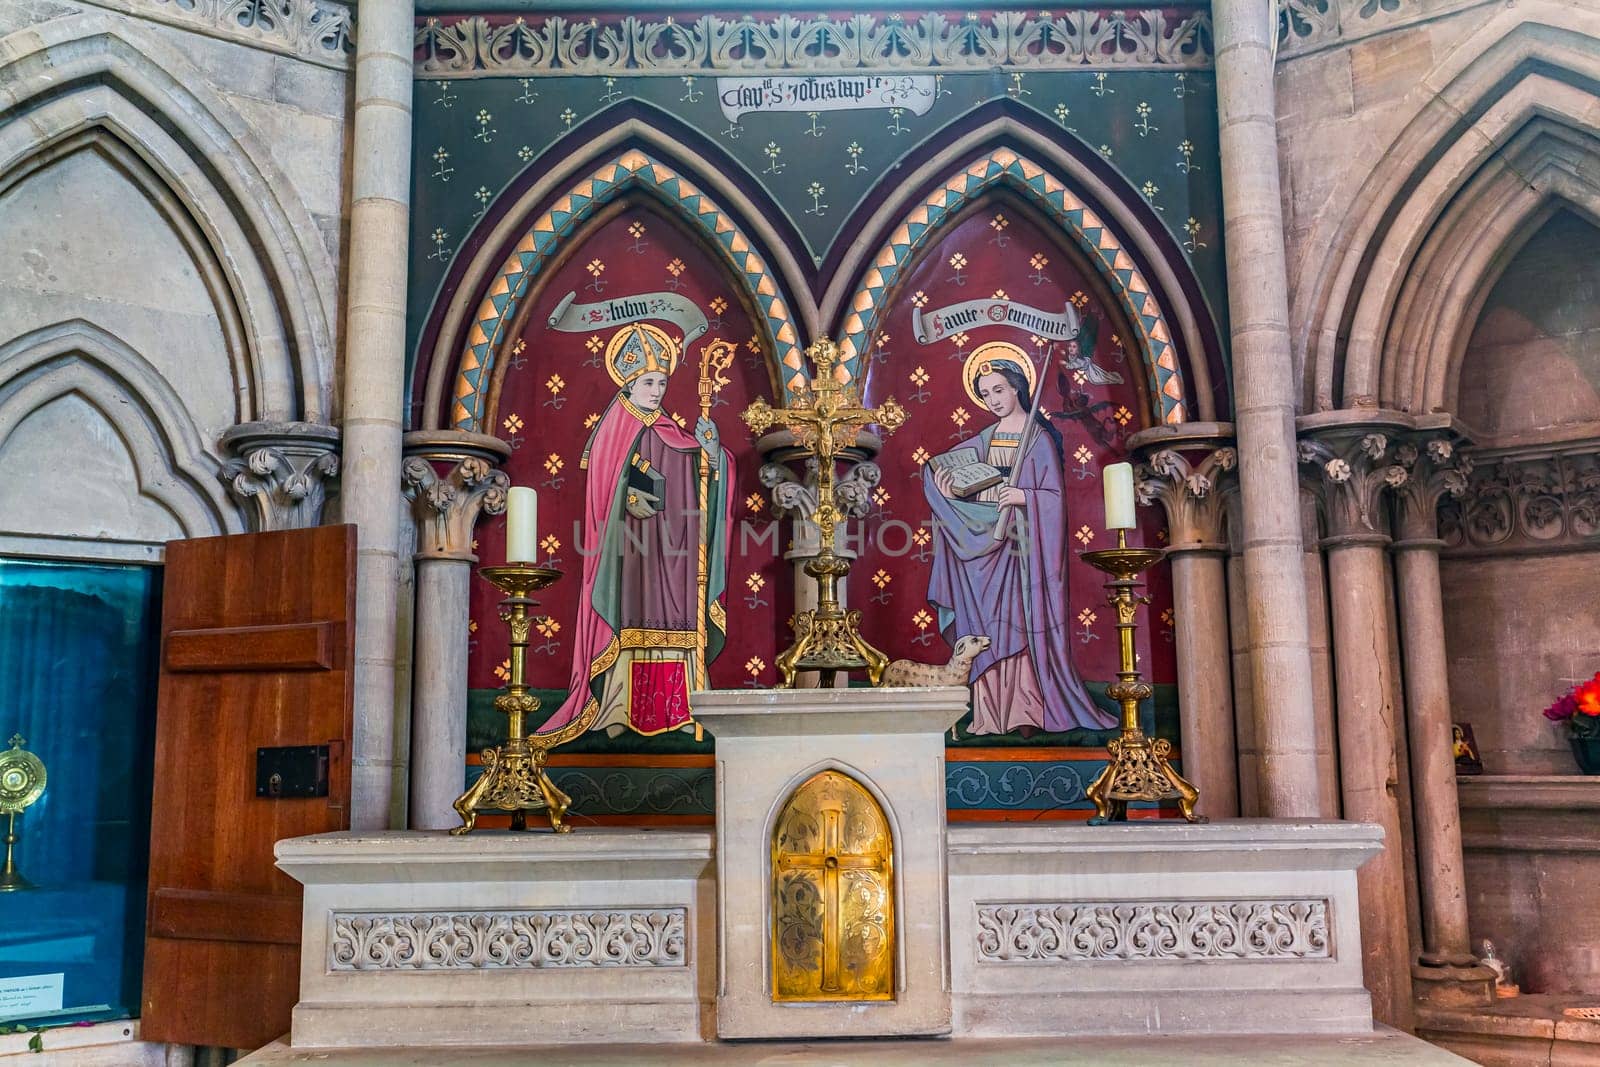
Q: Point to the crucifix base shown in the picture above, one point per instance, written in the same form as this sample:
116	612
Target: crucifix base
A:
831	790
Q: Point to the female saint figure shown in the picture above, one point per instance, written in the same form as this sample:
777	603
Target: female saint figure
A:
639	635
1011	588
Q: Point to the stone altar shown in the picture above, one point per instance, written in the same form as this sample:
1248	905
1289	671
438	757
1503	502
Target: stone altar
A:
643	936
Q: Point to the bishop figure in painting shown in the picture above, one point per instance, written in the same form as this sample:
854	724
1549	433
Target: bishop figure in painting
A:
650	613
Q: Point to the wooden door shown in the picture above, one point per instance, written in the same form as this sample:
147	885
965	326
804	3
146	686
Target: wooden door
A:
257	650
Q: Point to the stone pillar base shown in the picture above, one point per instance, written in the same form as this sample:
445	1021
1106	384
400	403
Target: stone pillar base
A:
1471	986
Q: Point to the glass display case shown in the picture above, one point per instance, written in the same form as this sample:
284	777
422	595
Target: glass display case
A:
78	658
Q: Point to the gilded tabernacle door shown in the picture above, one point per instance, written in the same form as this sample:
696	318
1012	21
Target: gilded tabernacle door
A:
833	895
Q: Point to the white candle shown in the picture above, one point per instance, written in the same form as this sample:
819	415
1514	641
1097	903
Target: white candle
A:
522	524
1118	482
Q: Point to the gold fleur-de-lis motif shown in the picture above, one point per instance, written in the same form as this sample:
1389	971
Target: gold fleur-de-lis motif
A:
553	463
1001	294
960	416
754	503
1079	299
555	383
718	305
513	423
919	299
755	583
502	670
921	536
1085	534
547	627
754	665
1167	617
675	267
590	419
1122	415
880	496
1082	454
919	456
551	544
1086	617
882	578
921	620
472	626
919	377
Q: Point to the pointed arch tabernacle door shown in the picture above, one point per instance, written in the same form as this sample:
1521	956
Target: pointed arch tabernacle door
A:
832	894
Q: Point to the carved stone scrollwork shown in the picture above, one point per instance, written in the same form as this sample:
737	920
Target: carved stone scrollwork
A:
1074	931
280	471
451	480
1349	471
1437	469
753	45
1191	493
494	940
1521	500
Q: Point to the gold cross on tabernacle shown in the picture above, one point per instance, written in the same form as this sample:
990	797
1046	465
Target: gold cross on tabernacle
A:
829	862
825	416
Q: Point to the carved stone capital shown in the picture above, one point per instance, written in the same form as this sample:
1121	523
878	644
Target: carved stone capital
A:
1437	468
452	479
1525	500
1349	470
1191	489
280	471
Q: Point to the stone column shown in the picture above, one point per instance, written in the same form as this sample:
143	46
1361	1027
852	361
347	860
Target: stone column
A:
374	390
1264	407
451	479
280	471
1244	721
1354	465
1191	494
1321	658
1449	974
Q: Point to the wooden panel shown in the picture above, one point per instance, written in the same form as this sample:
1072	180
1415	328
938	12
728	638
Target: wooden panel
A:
299	646
222	952
209	916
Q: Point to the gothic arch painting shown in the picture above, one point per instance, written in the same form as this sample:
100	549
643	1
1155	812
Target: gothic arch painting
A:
998	305
992	206
562	379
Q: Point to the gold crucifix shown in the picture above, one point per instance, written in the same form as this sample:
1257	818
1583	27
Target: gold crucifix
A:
825	417
832	865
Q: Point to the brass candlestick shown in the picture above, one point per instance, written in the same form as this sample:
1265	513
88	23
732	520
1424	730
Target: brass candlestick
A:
825	417
22	778
1138	768
514	777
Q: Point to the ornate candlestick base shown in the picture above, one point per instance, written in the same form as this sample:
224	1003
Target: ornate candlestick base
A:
1138	768
514	777
827	638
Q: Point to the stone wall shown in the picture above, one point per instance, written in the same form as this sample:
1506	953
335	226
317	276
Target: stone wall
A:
172	211
1532	365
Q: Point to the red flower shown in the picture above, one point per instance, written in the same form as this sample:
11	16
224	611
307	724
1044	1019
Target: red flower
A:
1587	697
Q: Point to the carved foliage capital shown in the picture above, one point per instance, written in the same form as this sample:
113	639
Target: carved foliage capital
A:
447	502
281	472
1191	492
1349	473
1436	468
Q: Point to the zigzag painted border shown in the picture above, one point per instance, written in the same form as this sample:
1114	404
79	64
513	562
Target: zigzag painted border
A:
511	282
1091	233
